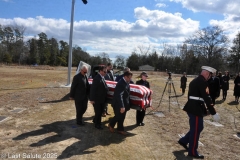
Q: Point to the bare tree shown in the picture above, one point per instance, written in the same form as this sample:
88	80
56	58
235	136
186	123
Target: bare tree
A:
209	45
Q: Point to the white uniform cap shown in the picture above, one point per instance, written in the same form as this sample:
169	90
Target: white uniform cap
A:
210	69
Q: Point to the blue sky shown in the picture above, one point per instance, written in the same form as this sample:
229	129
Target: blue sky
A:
119	27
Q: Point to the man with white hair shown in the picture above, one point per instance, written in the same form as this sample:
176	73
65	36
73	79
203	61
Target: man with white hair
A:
198	96
79	93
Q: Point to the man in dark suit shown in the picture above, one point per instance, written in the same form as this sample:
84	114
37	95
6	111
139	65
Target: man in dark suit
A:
79	93
98	95
109	77
214	87
121	103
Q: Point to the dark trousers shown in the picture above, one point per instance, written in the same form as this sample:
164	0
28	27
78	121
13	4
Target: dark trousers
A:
118	118
224	93
213	97
98	109
183	90
192	137
105	108
81	107
140	116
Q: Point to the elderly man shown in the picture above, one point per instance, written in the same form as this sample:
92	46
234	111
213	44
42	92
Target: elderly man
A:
198	94
79	93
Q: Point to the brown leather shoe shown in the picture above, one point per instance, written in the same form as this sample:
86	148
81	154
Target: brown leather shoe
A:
111	129
122	133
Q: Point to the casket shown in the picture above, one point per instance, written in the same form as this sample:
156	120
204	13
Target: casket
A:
140	96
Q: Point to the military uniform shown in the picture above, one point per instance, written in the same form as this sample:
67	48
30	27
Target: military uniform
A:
198	94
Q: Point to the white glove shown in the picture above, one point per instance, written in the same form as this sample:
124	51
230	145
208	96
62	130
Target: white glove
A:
216	117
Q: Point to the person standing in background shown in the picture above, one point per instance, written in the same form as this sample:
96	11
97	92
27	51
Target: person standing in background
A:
140	114
237	87
214	87
79	93
225	85
183	82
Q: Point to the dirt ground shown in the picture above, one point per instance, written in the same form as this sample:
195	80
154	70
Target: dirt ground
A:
40	122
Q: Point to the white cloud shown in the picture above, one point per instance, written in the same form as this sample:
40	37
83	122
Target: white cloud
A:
212	6
152	27
161	5
231	25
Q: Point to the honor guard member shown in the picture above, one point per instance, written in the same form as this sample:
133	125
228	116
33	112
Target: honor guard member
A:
198	94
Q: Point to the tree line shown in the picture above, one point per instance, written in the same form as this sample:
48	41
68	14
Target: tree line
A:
207	46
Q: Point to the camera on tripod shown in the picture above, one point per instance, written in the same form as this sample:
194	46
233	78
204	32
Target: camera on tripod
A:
169	75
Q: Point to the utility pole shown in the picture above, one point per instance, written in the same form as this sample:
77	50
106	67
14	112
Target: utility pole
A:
70	45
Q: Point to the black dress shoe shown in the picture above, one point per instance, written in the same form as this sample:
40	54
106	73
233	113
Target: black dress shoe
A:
99	127
80	124
182	144
142	124
138	124
198	156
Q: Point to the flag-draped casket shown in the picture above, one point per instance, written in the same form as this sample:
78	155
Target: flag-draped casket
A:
140	96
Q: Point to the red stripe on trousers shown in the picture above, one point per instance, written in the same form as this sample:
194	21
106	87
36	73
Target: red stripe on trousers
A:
195	136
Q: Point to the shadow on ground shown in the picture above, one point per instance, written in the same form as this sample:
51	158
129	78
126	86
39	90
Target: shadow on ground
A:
88	136
180	155
64	98
219	101
233	103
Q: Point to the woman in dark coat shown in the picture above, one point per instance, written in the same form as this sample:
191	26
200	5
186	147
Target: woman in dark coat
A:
225	84
140	114
237	87
183	82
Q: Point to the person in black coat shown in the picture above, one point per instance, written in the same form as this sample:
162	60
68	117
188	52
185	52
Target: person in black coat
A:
121	103
140	114
109	77
237	87
198	96
183	82
225	85
79	93
214	87
98	95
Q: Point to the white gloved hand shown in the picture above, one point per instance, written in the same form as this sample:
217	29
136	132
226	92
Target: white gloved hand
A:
216	117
